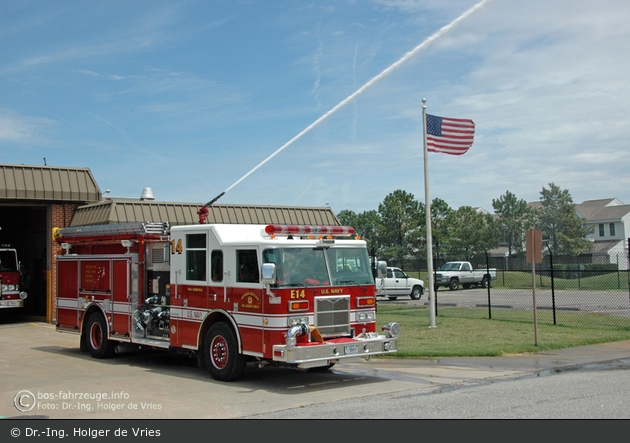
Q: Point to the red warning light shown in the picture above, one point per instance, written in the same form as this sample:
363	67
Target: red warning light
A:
338	231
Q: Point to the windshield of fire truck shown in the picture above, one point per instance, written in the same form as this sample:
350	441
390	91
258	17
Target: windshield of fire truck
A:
8	261
298	266
350	266
307	266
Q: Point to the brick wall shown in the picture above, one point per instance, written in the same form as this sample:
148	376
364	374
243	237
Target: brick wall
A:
61	214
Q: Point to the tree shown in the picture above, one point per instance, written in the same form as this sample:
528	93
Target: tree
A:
440	227
365	224
347	217
472	232
515	217
559	222
399	224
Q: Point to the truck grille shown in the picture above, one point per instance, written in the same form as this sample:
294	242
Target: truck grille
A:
332	316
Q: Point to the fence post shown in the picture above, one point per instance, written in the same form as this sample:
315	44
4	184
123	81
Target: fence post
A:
618	274
579	271
489	281
435	296
553	292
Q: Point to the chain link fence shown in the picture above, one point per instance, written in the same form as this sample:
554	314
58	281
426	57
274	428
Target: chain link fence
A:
590	290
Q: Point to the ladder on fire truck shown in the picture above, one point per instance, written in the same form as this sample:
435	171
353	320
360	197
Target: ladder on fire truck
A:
138	228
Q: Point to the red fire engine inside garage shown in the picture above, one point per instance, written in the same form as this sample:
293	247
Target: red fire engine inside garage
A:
34	200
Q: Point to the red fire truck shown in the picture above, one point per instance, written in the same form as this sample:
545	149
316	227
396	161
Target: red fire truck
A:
10	272
230	294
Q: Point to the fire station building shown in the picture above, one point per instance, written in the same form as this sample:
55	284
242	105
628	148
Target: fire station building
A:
34	200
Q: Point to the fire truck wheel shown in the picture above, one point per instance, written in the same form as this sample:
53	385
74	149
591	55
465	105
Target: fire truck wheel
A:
96	338
223	360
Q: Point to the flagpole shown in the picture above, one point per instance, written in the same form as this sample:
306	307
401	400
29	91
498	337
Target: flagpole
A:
429	236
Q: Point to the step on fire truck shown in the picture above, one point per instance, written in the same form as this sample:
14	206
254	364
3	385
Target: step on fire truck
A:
10	273
230	294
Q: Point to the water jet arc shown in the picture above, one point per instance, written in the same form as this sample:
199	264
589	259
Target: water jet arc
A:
425	44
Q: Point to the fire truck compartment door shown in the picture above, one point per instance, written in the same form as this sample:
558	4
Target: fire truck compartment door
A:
121	294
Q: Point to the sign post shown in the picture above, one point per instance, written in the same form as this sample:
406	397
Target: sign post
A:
533	249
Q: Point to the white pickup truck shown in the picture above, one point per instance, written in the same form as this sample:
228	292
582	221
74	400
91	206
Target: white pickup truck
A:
398	284
456	273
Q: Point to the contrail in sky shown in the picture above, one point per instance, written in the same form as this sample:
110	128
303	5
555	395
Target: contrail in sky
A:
425	44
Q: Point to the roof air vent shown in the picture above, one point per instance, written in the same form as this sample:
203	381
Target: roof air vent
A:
147	194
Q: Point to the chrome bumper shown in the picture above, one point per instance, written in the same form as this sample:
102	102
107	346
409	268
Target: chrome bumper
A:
11	303
319	354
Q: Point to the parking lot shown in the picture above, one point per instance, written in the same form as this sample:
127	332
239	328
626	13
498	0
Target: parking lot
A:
45	375
67	383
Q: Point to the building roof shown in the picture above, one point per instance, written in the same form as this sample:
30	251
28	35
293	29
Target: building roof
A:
124	211
610	213
605	209
591	207
535	205
605	246
480	210
51	183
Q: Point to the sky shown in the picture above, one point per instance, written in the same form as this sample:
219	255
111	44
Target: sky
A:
187	97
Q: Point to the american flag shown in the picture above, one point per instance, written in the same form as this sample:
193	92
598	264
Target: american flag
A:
449	135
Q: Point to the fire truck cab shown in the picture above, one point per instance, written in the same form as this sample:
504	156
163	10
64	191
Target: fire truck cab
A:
10	273
230	294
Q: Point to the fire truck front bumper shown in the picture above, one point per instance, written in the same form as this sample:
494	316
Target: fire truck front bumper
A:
314	354
11	304
10	300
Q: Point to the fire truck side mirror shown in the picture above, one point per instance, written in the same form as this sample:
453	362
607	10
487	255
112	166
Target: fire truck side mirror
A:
268	273
382	269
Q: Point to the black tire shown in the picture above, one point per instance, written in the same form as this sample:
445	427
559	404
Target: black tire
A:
485	282
453	284
416	292
96	339
391	297
223	360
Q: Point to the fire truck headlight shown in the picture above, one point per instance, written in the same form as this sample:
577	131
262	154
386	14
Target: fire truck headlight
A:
11	287
392	329
366	316
5	287
292	321
23	295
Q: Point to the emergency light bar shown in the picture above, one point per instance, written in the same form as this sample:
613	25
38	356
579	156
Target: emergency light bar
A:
340	231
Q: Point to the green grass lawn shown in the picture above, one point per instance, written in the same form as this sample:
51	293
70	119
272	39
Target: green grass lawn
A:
461	337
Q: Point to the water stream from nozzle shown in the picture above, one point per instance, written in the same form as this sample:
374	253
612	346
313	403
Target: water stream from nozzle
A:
425	44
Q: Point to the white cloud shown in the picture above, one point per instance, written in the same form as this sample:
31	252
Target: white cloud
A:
22	130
